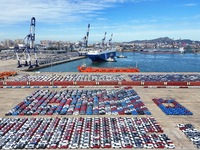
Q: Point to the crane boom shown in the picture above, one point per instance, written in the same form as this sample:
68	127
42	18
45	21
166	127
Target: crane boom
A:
87	35
103	40
32	32
110	39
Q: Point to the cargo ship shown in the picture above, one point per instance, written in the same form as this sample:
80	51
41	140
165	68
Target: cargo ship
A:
103	52
101	55
83	68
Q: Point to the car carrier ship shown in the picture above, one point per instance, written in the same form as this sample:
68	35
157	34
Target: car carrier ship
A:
103	52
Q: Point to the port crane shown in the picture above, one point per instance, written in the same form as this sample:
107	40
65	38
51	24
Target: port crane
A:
30	46
109	44
110	40
84	45
103	40
87	35
85	38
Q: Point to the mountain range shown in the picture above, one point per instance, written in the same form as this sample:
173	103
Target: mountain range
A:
166	40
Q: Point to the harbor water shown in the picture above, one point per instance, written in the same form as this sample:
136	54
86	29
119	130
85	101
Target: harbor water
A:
146	62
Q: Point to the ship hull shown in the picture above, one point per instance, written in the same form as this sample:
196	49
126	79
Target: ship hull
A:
107	70
101	56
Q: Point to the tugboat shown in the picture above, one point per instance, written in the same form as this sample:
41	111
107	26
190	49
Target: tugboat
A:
103	53
83	68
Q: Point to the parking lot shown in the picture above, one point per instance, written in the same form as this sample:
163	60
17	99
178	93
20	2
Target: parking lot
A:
71	77
81	102
187	97
29	133
109	77
165	77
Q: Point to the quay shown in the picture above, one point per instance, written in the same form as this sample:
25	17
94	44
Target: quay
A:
12	96
55	63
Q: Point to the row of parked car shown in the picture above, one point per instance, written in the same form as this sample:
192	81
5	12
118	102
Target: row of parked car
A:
171	107
109	77
165	77
50	58
71	77
81	102
74	133
191	132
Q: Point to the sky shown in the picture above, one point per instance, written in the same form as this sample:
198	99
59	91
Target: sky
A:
128	20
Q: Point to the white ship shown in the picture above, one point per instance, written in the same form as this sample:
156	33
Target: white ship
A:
103	52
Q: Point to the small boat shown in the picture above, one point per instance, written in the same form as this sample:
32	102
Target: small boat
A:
121	56
83	68
111	59
181	49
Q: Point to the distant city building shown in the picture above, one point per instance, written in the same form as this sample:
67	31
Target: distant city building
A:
8	43
137	45
1	43
19	41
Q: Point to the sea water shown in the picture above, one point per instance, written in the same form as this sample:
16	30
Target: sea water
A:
146	62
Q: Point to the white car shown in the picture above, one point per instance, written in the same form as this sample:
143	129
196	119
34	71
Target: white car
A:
195	139
170	146
85	146
180	125
73	146
116	145
149	146
63	143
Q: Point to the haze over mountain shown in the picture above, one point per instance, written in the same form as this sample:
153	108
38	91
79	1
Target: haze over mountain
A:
166	40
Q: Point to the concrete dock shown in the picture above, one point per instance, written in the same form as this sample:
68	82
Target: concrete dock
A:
190	98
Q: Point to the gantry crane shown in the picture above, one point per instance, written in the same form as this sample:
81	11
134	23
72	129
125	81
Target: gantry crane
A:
103	40
84	45
110	40
85	38
30	46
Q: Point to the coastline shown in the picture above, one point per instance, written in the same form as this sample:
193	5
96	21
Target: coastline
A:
187	97
161	51
55	63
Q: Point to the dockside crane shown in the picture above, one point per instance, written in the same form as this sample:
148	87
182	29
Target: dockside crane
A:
110	40
31	43
84	45
87	35
30	46
18	59
103	40
24	57
85	38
